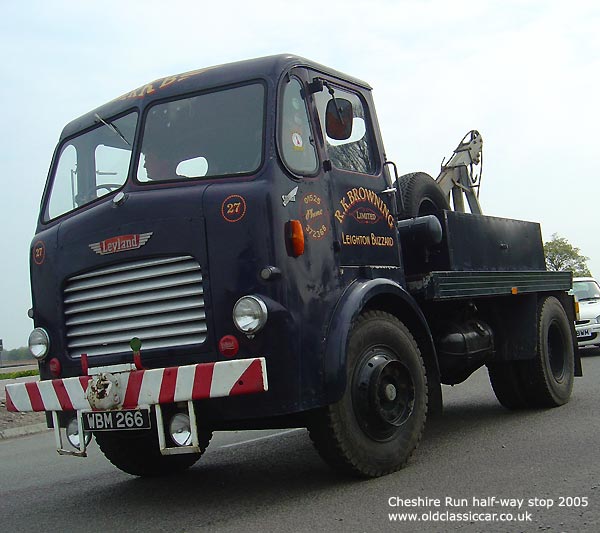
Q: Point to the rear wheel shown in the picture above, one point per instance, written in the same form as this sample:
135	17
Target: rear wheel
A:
507	384
552	370
547	379
376	426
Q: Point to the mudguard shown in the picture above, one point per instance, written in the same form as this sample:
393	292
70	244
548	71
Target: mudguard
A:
384	294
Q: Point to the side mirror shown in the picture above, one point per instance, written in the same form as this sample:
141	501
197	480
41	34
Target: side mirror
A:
338	119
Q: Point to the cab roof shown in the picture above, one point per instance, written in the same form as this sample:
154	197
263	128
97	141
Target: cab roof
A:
270	68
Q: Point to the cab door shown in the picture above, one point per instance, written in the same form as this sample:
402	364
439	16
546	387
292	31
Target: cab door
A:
363	216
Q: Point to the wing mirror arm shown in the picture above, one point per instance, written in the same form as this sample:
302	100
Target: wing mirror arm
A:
337	109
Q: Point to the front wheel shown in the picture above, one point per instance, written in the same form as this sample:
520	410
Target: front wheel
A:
138	453
376	426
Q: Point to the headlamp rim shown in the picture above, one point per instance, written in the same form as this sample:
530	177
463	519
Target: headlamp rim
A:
264	314
44	333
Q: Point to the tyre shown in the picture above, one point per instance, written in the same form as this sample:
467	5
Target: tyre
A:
547	379
137	452
421	195
376	426
507	384
551	372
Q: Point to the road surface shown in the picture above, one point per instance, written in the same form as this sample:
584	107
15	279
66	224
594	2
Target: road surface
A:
476	454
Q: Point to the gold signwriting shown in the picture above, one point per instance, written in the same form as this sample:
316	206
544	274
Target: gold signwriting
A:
314	215
360	194
161	83
366	240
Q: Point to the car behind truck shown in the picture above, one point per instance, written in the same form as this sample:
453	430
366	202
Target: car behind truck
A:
230	248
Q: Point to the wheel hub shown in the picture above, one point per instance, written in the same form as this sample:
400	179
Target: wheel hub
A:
390	392
383	394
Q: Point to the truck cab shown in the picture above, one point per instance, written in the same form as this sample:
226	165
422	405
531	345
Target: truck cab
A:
170	203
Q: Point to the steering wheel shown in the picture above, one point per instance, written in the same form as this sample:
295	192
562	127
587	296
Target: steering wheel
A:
108	186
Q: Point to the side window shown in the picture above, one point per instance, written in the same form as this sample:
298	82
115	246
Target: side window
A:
65	187
355	153
295	139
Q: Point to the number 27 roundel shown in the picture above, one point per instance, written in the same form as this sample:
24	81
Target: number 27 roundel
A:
233	208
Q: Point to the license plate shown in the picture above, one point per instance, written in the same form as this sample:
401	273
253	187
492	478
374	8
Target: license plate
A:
116	420
583	333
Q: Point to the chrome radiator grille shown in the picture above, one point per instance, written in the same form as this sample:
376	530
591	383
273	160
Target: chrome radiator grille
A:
161	301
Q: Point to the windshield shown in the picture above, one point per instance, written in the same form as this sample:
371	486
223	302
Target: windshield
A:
209	135
91	165
586	290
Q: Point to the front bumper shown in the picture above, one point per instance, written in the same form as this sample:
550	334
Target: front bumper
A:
132	389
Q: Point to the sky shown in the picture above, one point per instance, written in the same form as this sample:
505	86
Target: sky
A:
524	73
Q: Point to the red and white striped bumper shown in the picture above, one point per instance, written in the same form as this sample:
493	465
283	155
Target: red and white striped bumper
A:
145	387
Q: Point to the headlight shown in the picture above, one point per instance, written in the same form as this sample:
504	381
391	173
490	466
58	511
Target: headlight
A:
39	343
598	319
250	314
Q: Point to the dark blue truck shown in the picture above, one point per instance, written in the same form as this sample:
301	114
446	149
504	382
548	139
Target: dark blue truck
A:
230	248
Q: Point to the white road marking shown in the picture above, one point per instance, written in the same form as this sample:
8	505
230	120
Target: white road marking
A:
260	438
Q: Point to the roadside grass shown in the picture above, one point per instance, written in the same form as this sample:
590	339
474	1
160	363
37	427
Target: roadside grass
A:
19	374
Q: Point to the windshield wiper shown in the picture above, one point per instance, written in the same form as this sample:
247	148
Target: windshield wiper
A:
113	128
